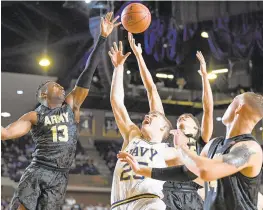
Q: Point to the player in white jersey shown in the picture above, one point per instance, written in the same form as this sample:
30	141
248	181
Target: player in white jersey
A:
128	187
130	191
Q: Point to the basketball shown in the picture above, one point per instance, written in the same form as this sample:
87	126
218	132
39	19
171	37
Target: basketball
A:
136	18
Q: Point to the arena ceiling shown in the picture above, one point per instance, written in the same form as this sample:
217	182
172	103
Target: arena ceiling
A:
61	30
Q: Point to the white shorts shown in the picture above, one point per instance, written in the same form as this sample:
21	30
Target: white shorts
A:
143	204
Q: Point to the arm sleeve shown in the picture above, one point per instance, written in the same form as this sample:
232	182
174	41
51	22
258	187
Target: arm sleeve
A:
85	77
176	173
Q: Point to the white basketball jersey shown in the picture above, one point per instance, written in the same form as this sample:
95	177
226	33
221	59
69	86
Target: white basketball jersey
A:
126	183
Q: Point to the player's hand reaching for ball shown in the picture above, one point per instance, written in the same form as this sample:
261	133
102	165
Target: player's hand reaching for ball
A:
107	25
116	54
137	49
128	158
201	59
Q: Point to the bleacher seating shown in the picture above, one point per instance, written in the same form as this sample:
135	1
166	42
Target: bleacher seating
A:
108	151
17	154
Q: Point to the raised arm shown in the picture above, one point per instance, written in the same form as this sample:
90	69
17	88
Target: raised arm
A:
242	155
20	127
154	99
208	103
77	96
127	128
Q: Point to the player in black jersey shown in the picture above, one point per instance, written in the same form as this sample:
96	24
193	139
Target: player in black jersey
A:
184	195
230	166
181	195
53	126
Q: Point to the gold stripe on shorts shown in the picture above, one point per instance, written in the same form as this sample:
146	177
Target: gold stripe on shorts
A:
131	199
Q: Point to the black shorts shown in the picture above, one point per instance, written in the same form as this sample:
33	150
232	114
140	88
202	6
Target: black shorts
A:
40	188
182	200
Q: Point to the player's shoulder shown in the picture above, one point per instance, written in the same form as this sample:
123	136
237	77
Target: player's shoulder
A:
248	145
30	116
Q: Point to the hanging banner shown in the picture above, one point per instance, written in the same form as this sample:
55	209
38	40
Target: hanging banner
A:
110	128
87	123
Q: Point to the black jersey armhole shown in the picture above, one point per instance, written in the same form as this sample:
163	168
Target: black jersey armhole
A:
71	109
213	147
37	110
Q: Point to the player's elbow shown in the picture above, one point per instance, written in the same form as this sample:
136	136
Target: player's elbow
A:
4	134
114	99
208	112
3	137
205	174
152	89
204	171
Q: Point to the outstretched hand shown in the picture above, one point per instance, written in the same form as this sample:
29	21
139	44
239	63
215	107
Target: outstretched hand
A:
201	59
116	54
137	49
107	25
179	138
128	158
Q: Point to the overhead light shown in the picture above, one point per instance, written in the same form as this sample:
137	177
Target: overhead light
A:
261	129
217	71
164	76
211	76
128	71
87	1
44	62
219	119
204	34
19	92
5	114
220	71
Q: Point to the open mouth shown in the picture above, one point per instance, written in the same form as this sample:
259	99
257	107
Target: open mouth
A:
146	121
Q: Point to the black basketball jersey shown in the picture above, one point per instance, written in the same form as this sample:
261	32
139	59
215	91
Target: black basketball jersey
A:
235	192
55	136
183	195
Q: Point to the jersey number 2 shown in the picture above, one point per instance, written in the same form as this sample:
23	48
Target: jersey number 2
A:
63	137
125	173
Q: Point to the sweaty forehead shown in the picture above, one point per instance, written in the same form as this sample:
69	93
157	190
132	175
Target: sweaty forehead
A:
50	84
155	113
184	115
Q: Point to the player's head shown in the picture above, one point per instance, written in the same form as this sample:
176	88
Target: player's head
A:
50	92
248	106
156	125
189	125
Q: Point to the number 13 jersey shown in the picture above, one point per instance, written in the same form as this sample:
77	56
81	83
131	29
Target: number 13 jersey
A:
55	136
126	183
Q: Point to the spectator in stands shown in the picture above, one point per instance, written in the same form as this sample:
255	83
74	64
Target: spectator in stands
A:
16	156
108	150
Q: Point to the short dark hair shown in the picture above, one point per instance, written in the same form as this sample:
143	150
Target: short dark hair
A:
255	102
41	88
198	134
